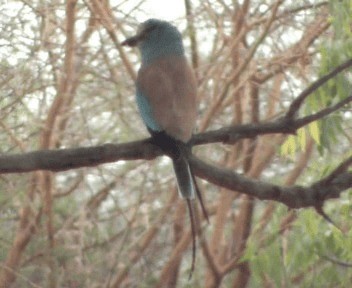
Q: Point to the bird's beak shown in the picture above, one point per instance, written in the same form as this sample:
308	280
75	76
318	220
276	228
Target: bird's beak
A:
132	41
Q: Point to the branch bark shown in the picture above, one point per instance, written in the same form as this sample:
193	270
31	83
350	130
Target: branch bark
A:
65	159
293	196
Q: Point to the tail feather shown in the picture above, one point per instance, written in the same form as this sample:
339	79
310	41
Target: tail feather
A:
200	198
192	219
184	178
187	185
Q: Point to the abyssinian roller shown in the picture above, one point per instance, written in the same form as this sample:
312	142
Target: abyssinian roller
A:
166	93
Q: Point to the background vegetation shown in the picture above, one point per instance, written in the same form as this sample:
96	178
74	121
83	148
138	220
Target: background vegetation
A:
67	83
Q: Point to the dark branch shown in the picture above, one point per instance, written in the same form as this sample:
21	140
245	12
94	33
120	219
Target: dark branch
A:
297	103
337	171
65	159
322	113
292	196
296	196
230	135
282	125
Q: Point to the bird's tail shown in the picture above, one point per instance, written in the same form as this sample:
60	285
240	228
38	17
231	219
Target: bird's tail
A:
185	182
187	187
177	151
187	190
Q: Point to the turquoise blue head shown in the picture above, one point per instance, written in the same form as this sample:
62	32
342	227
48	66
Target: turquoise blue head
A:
156	39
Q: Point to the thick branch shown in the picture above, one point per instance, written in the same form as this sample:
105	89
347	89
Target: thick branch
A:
292	196
339	180
65	159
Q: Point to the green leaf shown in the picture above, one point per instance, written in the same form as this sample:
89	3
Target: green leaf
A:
288	148
314	131
302	138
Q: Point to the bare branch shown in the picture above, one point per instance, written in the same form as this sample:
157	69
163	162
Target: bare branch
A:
323	113
105	16
336	172
292	196
337	261
65	159
297	103
283	125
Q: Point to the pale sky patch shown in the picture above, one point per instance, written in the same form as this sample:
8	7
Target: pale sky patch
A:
165	10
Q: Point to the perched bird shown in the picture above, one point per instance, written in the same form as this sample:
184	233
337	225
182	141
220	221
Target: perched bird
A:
166	93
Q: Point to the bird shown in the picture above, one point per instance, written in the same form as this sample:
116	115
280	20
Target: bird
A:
166	92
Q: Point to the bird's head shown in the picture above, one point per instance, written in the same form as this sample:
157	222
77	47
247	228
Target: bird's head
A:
155	39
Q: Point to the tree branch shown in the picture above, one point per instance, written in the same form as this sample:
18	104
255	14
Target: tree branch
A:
65	159
292	196
284	125
297	103
322	113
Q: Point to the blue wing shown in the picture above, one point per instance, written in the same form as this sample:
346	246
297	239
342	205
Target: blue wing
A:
146	112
